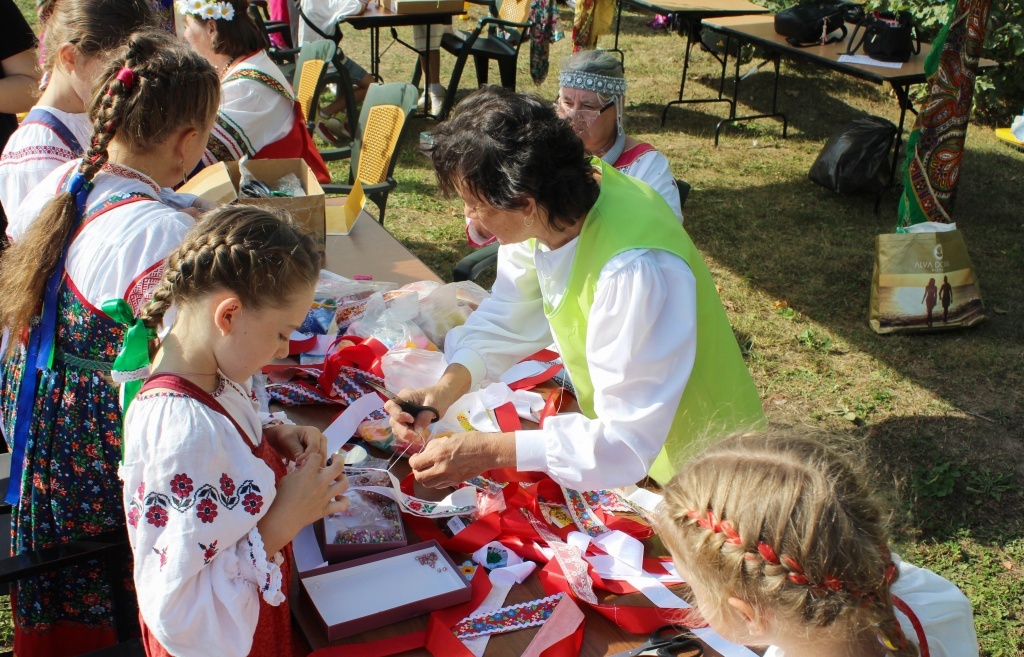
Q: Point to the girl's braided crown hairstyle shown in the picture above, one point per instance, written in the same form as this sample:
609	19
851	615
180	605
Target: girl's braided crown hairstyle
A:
258	254
171	88
787	524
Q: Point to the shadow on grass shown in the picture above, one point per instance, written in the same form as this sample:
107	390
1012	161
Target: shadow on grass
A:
810	104
814	249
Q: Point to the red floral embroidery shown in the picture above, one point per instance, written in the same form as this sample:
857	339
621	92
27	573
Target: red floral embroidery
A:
252	503
209	551
157	516
181	485
227	485
133	516
163	556
206	510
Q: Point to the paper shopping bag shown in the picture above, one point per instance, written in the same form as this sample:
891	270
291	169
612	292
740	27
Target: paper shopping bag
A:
923	282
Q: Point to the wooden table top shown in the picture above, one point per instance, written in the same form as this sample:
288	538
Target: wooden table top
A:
370	250
380	15
700	8
760	30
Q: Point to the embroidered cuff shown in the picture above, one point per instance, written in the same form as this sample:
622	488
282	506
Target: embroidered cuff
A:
257	568
473	362
531	451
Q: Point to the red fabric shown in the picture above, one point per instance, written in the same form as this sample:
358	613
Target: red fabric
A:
297	143
63	640
632	155
274	632
922	640
365	354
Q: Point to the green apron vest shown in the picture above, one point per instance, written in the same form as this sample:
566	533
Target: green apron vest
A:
720	396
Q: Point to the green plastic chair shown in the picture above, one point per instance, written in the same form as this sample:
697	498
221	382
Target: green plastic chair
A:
376	141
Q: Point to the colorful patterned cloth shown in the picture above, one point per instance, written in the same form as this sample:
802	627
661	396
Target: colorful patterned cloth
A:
935	147
544	16
69	487
508	619
593	18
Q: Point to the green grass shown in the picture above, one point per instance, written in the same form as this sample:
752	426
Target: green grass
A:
941	416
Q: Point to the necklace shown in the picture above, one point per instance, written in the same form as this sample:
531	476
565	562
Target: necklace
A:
224	68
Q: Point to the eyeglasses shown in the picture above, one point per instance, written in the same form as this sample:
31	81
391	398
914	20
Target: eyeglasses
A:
580	119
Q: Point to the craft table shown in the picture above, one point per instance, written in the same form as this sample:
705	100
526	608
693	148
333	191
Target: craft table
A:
370	249
690	13
760	31
378	15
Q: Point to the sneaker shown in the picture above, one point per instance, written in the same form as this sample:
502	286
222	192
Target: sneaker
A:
333	130
437	93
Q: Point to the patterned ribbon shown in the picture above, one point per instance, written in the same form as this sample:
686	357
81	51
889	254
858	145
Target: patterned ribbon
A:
508	619
39	351
131	366
569	558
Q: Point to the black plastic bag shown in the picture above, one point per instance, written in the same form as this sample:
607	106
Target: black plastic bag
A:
855	159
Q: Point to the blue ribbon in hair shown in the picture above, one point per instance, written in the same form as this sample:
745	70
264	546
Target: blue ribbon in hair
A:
39	351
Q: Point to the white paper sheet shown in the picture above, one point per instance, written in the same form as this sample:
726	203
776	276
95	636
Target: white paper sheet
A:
864	60
371	588
306	550
343	428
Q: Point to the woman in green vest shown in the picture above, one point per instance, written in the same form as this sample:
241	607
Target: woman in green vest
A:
596	262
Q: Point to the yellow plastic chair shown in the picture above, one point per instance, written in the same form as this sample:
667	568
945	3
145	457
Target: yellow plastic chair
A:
1005	135
374	150
309	80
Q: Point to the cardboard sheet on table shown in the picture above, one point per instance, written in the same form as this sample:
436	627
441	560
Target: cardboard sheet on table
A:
381	585
341	217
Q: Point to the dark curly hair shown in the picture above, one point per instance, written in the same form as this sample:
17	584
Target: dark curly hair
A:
504	146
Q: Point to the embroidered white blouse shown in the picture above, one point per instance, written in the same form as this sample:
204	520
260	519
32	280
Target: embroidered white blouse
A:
33	151
121	252
943	610
641	345
257	108
653	168
193	493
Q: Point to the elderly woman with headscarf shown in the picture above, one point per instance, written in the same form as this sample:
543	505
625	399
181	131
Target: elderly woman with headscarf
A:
591	96
596	261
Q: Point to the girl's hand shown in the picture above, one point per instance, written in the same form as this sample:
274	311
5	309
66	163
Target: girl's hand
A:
295	443
304	496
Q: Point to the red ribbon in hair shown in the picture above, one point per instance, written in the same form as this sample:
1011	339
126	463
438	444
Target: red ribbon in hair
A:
127	77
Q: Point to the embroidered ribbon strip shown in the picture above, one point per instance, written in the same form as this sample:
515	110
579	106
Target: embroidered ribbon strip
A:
508	619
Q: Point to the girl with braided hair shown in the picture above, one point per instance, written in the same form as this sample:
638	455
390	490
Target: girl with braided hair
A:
210	511
88	245
81	37
783	544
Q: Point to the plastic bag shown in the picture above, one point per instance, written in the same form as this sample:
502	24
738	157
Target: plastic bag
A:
289	186
855	159
446	307
378	433
334	292
412	368
390	322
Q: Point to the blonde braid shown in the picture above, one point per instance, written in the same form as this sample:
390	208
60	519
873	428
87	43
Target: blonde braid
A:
788	525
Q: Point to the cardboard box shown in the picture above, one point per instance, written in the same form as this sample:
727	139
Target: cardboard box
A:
372	525
426	7
364	594
218	183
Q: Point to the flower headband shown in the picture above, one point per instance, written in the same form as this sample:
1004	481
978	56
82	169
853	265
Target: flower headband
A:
206	9
601	84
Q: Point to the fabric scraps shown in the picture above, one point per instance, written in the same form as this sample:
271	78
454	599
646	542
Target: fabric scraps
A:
582	514
569	558
508	619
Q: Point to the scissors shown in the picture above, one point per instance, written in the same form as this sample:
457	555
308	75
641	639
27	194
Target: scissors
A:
668	641
412	408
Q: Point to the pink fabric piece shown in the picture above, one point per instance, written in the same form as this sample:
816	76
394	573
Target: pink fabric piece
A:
278	10
563	621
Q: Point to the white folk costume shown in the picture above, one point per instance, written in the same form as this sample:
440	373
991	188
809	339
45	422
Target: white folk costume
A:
645	162
931	611
67	446
44	140
197	479
260	118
